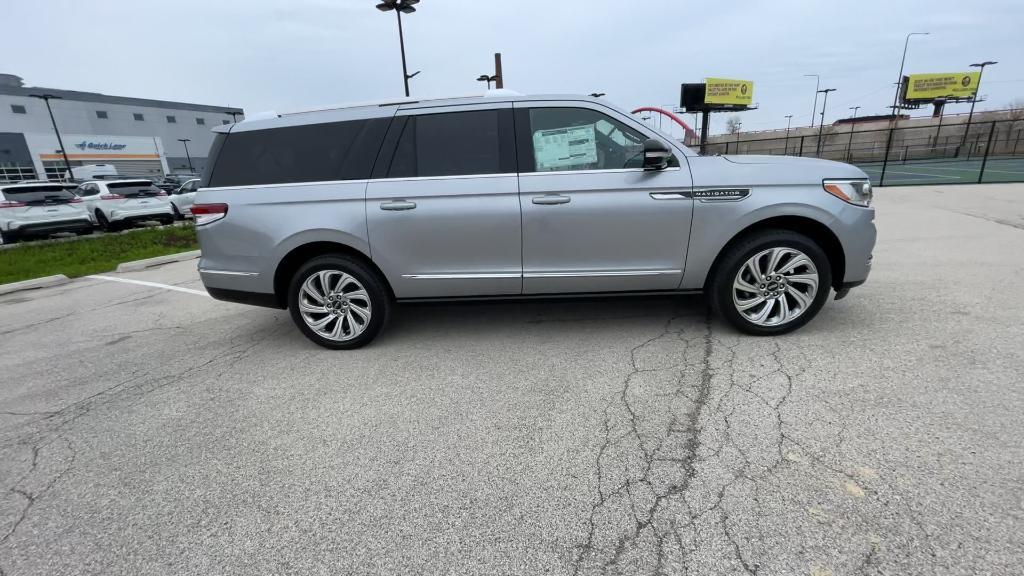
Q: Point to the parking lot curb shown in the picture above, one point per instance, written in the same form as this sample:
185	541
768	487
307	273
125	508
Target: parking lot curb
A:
43	282
150	262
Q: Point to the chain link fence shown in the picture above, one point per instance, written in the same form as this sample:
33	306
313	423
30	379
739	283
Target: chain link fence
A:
991	151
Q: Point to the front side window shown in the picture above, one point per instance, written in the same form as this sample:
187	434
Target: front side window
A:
448	144
581	139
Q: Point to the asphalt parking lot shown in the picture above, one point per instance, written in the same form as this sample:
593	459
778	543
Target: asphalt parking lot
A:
145	430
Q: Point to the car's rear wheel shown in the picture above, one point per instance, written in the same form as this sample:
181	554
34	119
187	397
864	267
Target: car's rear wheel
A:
771	282
104	223
338	302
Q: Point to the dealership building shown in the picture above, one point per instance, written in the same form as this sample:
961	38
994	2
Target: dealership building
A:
140	137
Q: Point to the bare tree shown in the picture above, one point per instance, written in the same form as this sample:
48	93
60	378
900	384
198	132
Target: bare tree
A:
1016	108
732	124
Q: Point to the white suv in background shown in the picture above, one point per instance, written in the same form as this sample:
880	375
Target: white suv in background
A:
183	197
114	204
40	209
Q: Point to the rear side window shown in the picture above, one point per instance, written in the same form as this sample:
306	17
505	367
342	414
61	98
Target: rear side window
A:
311	153
451	144
37	194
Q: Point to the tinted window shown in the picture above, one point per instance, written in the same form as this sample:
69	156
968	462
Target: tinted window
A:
580	139
312	153
38	194
450	144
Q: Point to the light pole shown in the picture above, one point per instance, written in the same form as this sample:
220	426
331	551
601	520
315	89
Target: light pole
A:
849	144
486	78
400	7
185	141
789	120
821	125
899	79
46	98
981	70
234	116
817	84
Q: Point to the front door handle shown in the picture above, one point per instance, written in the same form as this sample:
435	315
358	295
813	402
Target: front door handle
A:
551	199
397	205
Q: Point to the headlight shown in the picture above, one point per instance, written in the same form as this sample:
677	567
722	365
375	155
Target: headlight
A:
853	191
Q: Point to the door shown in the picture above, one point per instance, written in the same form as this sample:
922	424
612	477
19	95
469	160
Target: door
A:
443	206
593	219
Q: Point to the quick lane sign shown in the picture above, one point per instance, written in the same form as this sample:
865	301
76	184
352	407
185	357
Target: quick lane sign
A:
726	91
947	85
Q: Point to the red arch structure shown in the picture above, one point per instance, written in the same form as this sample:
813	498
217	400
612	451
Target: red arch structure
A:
690	134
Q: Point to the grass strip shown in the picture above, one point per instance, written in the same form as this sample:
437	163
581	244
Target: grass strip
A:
84	256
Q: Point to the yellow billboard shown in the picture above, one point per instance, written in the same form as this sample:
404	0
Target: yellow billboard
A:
949	85
726	91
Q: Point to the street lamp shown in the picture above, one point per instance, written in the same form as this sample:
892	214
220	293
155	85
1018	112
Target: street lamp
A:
401	7
899	80
817	84
789	120
185	141
849	144
821	125
596	94
977	91
46	98
488	79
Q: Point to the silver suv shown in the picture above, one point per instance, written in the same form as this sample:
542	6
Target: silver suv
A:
336	214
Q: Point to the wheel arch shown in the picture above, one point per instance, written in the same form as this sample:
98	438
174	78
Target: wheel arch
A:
291	261
820	233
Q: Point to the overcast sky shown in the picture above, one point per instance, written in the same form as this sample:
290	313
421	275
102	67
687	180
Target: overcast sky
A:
290	54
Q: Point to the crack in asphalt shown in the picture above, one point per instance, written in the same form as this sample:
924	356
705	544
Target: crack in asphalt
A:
699	452
53	427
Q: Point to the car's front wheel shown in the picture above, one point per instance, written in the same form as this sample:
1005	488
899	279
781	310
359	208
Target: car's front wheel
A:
772	282
338	302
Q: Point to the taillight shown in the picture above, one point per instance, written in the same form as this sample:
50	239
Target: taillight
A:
161	193
75	200
12	204
206	213
110	196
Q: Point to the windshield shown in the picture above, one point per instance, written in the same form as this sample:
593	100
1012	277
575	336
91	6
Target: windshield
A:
39	194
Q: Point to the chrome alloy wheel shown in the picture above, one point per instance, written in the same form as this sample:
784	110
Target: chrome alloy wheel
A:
775	286
334	305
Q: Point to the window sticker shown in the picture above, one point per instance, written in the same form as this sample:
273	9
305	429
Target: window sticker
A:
562	148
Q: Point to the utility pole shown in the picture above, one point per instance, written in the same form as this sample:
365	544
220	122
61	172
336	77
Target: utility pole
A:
899	79
185	141
46	98
499	80
817	84
977	92
400	7
849	145
789	120
821	125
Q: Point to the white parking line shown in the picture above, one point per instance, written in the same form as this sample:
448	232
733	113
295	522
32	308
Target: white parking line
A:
151	284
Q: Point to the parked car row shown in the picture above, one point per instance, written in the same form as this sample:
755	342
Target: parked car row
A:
38	209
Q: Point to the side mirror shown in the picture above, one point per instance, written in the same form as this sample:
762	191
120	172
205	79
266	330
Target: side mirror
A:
656	154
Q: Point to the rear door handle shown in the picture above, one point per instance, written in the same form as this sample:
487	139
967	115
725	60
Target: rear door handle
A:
397	205
668	195
551	199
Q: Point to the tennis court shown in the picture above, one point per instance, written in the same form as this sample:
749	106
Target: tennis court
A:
948	171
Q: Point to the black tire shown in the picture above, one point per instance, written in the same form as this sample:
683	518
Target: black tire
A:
103	223
7	238
166	221
379	299
720	289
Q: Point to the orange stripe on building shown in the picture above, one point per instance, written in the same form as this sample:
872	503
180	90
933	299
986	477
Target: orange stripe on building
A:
101	157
